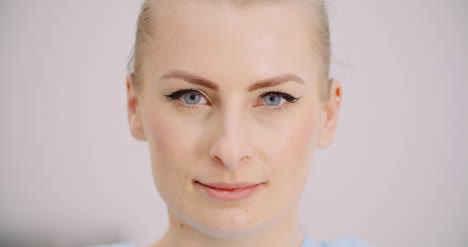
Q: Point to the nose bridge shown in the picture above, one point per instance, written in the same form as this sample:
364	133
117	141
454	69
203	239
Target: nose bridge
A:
231	121
231	146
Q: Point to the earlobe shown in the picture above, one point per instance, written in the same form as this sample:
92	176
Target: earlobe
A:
134	115
330	115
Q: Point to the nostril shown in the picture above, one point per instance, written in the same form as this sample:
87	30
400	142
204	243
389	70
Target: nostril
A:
218	160
244	158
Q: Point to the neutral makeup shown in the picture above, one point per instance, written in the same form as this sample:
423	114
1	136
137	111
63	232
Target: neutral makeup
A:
231	111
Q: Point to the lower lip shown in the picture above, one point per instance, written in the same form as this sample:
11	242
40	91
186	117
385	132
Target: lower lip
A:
230	194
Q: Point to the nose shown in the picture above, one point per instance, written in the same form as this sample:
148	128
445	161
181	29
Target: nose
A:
230	147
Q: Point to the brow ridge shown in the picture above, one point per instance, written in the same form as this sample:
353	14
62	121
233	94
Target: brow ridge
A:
198	80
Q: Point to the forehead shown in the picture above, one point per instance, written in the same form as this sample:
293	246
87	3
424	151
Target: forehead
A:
223	41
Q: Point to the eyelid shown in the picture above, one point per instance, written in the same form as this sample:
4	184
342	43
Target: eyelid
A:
283	95
289	101
175	96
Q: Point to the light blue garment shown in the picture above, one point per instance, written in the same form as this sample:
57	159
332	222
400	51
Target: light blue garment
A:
115	245
342	242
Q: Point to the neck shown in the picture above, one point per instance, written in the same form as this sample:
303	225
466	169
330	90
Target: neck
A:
283	233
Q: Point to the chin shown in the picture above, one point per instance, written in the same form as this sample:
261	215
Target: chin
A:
228	223
231	223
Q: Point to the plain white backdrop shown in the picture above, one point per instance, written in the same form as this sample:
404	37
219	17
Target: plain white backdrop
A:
71	174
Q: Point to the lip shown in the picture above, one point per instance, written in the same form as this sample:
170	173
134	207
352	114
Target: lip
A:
229	191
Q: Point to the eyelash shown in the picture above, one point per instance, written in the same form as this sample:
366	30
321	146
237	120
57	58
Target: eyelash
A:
181	92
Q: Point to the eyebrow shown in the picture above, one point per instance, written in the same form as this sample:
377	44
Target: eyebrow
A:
198	80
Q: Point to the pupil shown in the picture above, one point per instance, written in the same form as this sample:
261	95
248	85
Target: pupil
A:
192	98
272	100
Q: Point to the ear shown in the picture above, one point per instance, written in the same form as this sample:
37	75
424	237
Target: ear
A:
330	115
134	115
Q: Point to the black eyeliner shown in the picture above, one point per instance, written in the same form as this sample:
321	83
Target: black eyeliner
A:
179	93
286	96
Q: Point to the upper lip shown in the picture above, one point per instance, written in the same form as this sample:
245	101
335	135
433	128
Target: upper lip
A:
229	186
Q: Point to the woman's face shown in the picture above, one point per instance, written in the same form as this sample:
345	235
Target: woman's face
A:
249	118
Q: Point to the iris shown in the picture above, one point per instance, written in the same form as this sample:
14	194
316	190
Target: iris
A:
272	99
192	98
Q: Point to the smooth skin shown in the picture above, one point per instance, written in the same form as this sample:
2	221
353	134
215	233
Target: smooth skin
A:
232	134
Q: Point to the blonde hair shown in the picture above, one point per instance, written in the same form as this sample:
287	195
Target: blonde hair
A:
144	33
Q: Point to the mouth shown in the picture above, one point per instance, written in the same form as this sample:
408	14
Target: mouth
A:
229	191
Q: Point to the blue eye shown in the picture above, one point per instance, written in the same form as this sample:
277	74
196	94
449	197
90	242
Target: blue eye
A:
188	97
192	98
272	99
276	99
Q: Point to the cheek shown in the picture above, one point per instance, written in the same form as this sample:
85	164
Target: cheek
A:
167	134
305	134
292	141
291	159
171	145
160	135
167	140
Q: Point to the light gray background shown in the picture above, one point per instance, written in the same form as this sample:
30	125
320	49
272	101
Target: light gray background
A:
71	174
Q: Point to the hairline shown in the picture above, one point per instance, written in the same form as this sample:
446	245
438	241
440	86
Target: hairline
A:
151	8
